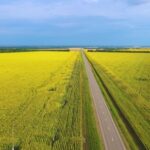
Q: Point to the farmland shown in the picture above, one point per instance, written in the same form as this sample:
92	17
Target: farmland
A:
125	81
45	101
41	104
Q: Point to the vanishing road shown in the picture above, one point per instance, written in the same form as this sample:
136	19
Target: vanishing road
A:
111	137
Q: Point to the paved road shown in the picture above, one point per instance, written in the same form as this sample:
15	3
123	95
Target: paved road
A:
111	137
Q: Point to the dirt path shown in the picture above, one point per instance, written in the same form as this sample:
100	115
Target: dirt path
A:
111	137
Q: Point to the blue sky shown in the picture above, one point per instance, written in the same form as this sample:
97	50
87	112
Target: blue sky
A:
75	22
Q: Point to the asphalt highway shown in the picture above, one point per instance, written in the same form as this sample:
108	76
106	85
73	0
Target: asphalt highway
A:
110	134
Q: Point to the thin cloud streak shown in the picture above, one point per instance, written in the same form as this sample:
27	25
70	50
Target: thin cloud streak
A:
111	9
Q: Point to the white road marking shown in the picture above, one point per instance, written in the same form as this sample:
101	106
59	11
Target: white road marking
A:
112	139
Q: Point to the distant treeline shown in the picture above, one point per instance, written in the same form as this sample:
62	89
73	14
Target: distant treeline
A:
125	50
9	50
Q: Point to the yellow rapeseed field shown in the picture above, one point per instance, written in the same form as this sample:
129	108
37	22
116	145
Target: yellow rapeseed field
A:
32	90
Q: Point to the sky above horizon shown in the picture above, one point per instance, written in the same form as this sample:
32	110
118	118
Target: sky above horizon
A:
75	22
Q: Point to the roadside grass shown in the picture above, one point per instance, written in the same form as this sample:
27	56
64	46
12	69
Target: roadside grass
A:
130	110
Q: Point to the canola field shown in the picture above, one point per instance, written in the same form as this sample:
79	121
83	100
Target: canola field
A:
38	99
126	77
45	102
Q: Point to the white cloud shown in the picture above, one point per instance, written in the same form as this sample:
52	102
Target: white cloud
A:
91	1
113	9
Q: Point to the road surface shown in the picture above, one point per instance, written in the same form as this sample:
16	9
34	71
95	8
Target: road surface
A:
111	137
